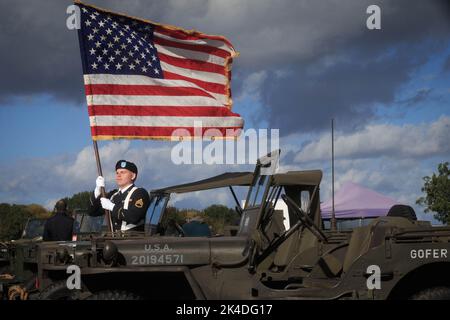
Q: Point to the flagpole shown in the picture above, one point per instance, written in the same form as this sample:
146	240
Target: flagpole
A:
102	189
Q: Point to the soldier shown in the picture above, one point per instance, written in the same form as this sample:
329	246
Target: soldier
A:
60	226
128	204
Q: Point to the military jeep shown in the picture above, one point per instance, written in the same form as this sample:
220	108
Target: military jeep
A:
268	257
18	260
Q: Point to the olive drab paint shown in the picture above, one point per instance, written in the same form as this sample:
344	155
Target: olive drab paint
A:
374	280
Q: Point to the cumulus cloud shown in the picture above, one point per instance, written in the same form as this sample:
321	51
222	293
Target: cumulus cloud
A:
251	86
50	204
400	179
82	170
406	141
390	159
44	180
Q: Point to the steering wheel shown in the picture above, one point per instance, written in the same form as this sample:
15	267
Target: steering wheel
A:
178	227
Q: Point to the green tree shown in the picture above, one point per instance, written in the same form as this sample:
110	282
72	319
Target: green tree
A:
79	201
172	213
38	211
218	216
13	218
437	190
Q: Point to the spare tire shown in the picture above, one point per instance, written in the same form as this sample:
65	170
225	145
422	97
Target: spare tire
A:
401	210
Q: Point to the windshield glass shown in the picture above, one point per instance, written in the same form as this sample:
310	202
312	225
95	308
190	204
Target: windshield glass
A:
89	224
257	191
156	209
34	228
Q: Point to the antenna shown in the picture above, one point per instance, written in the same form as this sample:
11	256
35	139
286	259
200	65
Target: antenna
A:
333	216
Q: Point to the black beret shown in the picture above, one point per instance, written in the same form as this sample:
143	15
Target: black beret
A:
124	164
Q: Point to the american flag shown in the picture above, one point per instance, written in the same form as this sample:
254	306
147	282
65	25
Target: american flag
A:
144	80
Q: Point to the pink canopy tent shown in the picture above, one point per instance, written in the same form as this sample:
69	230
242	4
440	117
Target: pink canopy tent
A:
355	201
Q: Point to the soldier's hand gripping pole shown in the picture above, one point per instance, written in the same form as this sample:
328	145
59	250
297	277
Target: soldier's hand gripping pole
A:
102	189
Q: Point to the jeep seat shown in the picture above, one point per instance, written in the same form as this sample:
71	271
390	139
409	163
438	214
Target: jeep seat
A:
358	245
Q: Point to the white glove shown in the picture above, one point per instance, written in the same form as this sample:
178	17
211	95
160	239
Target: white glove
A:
107	204
100	182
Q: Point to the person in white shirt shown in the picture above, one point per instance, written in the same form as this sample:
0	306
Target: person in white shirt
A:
128	204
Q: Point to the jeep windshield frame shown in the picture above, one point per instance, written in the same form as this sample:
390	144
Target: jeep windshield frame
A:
262	179
155	212
225	180
87	224
34	228
259	182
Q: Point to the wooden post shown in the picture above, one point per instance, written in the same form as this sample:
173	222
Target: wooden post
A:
102	190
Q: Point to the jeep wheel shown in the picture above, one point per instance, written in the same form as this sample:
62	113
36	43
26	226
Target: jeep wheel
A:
58	291
436	293
114	295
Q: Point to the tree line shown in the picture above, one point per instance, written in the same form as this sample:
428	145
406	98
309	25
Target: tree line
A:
13	217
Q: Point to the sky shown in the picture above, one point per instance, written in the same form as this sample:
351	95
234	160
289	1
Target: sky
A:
301	64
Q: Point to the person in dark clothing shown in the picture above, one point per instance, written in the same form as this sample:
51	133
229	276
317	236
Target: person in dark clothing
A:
60	226
128	204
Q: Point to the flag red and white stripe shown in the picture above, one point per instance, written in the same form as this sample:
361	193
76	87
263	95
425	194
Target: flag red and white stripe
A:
194	85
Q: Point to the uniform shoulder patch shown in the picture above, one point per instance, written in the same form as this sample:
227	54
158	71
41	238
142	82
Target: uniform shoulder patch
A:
139	203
